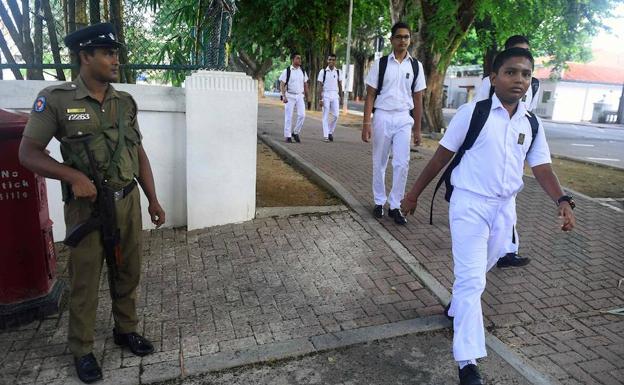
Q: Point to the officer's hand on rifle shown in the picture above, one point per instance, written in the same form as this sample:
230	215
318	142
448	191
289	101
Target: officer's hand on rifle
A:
83	187
156	213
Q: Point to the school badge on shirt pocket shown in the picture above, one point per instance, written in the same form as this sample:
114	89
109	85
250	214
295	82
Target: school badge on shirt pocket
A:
521	138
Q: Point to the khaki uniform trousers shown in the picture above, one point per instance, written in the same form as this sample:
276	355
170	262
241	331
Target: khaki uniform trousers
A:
85	267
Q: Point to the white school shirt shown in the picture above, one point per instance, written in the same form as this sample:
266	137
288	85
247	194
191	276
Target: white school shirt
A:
529	102
331	79
493	166
295	83
396	94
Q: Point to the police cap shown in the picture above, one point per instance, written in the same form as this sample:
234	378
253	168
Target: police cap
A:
96	35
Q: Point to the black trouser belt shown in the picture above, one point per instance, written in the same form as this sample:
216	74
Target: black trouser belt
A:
124	192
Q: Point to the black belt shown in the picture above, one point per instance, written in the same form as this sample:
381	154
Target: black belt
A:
124	192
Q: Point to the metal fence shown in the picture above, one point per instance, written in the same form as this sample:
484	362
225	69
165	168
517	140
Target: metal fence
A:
152	54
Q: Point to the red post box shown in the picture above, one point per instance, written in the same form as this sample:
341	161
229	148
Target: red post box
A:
28	285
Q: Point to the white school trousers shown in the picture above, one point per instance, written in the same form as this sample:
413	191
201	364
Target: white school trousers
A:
331	105
293	100
514	240
480	229
392	130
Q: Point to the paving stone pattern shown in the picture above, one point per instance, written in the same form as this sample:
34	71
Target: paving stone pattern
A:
552	311
230	288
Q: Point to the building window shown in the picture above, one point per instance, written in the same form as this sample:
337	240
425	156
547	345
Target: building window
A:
546	97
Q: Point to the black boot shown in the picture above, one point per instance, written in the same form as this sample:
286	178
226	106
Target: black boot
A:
469	375
378	211
138	344
399	219
88	368
512	260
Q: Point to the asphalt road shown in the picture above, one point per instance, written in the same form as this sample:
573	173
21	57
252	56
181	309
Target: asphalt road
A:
585	142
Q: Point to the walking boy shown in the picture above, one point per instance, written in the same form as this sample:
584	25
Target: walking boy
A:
330	88
394	88
510	258
485	183
294	90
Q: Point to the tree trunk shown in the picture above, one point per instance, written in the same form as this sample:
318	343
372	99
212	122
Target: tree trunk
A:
71	16
106	8
38	40
29	49
94	11
81	20
487	36
7	54
437	59
50	23
116	13
397	10
246	63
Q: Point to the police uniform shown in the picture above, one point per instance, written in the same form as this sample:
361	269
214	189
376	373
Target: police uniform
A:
481	207
295	96
392	126
530	103
66	110
331	99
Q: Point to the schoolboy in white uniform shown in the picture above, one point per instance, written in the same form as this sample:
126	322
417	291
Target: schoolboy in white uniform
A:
392	125
485	183
510	258
330	88
294	90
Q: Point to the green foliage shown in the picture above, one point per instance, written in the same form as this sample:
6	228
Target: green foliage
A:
560	29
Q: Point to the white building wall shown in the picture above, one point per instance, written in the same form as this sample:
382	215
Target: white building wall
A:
574	102
163	118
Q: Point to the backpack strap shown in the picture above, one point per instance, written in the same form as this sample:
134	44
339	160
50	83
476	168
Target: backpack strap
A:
415	70
477	121
535	83
383	63
324	75
287	77
338	72
534	128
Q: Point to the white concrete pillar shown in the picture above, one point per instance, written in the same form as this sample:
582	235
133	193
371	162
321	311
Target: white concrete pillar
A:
221	126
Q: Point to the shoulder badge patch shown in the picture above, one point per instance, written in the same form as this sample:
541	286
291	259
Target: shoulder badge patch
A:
40	104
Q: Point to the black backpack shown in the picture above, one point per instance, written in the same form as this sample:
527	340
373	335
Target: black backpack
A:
383	63
477	121
288	75
325	74
535	83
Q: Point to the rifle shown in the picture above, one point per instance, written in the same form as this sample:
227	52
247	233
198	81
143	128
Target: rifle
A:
103	216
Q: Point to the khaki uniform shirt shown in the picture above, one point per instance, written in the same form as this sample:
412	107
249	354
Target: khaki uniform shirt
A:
68	109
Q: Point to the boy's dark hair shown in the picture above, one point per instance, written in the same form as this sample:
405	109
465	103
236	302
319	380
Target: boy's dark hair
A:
292	55
399	25
516	39
332	55
507	54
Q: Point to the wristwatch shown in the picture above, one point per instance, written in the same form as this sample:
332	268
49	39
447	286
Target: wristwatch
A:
566	198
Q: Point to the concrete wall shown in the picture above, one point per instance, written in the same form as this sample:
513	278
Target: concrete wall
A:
460	89
163	121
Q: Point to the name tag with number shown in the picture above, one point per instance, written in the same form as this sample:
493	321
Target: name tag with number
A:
78	117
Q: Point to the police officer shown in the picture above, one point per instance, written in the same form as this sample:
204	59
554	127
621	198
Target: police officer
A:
90	105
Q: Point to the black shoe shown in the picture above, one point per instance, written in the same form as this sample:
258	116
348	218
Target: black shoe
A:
512	260
88	369
470	375
138	344
446	311
378	211
398	216
331	137
296	137
289	140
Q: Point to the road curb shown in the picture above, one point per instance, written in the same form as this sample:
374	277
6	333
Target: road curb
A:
523	367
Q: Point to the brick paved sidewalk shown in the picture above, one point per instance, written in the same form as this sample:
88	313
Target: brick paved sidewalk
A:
552	312
213	298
